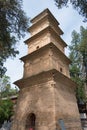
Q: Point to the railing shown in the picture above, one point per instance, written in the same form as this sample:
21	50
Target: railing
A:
84	123
70	124
6	126
65	124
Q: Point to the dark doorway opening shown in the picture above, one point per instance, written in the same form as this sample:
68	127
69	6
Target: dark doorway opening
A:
30	122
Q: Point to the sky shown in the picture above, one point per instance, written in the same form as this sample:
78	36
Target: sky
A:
68	18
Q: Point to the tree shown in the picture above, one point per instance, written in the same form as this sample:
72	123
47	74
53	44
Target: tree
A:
78	56
13	25
83	49
6	105
6	110
79	5
5	88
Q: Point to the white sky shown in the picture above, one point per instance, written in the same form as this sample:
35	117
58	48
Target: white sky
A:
68	18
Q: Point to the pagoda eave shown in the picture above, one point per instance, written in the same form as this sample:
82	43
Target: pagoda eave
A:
41	15
47	29
39	51
32	80
48	18
45	76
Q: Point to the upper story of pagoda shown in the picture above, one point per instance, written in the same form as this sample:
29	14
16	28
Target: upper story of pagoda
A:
45	47
44	30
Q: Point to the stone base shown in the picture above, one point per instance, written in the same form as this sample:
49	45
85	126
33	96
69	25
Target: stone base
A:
50	96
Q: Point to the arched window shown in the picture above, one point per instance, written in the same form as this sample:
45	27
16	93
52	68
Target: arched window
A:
30	122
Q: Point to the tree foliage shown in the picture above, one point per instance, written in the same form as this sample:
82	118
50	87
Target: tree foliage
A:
78	56
6	105
6	110
83	49
13	25
79	5
5	88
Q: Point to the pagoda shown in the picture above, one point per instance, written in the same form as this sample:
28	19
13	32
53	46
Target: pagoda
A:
47	94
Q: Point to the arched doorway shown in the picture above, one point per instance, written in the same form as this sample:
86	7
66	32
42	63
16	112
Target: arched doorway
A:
30	122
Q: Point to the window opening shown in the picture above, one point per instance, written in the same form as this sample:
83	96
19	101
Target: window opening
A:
37	47
61	70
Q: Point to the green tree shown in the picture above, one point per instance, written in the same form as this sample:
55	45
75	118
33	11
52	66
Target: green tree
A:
5	88
79	5
6	105
13	25
6	110
78	56
83	49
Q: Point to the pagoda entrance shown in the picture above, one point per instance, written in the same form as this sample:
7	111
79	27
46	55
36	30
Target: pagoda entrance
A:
30	122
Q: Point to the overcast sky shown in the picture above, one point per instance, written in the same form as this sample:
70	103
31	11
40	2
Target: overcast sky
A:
68	18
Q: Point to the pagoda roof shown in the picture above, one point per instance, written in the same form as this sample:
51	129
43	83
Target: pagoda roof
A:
44	77
49	28
42	14
50	19
40	50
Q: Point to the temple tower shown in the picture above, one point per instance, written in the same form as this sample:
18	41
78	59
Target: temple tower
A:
47	93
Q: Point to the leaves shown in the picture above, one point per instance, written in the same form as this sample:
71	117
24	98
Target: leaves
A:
78	56
13	25
5	88
61	3
6	110
6	105
79	5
